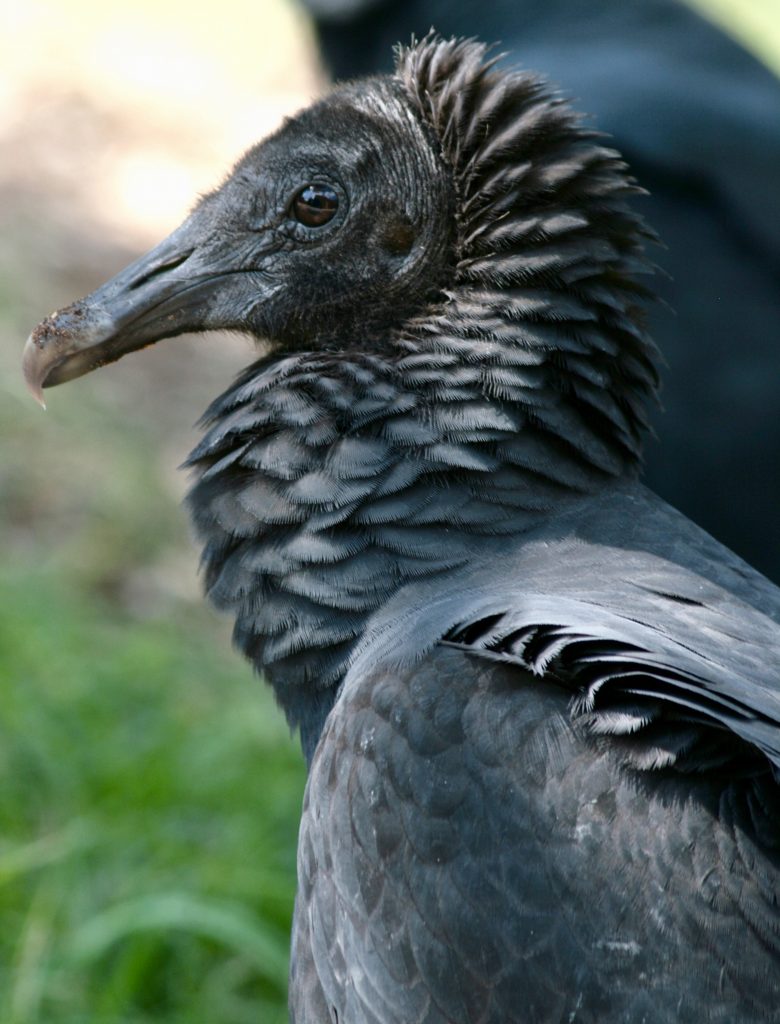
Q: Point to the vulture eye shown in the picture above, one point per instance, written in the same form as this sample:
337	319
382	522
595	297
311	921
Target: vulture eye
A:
314	205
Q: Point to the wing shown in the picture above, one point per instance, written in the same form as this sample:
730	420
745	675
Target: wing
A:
472	850
468	857
659	703
667	642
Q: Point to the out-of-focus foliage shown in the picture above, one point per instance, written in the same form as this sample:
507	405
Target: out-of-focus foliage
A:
148	816
150	792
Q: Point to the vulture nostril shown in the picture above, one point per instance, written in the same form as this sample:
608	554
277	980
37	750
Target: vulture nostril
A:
161	268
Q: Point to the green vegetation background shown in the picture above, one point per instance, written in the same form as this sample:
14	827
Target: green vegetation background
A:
150	792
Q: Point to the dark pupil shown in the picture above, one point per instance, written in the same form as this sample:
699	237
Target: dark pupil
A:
315	205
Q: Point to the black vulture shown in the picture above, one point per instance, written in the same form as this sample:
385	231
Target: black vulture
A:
540	708
698	119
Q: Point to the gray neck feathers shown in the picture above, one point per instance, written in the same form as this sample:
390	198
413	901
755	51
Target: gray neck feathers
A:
327	480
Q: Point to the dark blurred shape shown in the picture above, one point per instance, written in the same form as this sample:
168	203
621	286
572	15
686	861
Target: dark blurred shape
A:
698	118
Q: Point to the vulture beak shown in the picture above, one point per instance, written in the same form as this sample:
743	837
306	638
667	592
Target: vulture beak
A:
181	285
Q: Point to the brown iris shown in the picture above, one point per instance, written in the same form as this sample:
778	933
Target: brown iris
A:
315	205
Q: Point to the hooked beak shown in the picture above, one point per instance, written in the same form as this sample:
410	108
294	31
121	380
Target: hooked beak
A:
181	285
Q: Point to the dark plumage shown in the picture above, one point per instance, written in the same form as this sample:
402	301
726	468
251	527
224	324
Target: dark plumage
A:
540	708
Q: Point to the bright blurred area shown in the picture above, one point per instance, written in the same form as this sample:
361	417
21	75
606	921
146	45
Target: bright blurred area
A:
755	23
140	106
151	794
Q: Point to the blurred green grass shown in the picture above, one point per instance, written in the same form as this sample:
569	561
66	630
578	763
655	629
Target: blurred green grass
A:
151	794
148	814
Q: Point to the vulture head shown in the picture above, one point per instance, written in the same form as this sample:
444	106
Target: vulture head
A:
387	201
331	230
444	267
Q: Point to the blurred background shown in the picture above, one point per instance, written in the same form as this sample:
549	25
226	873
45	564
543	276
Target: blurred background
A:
150	792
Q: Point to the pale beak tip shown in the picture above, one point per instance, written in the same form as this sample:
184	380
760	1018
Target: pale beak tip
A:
32	375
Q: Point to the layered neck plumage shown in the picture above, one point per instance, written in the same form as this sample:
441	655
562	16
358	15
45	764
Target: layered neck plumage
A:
327	480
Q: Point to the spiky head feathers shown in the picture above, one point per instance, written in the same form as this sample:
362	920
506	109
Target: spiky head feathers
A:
547	251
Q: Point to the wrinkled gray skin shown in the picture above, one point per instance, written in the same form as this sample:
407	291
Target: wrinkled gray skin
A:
541	709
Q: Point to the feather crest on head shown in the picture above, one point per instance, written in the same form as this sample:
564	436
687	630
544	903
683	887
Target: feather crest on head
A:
547	251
